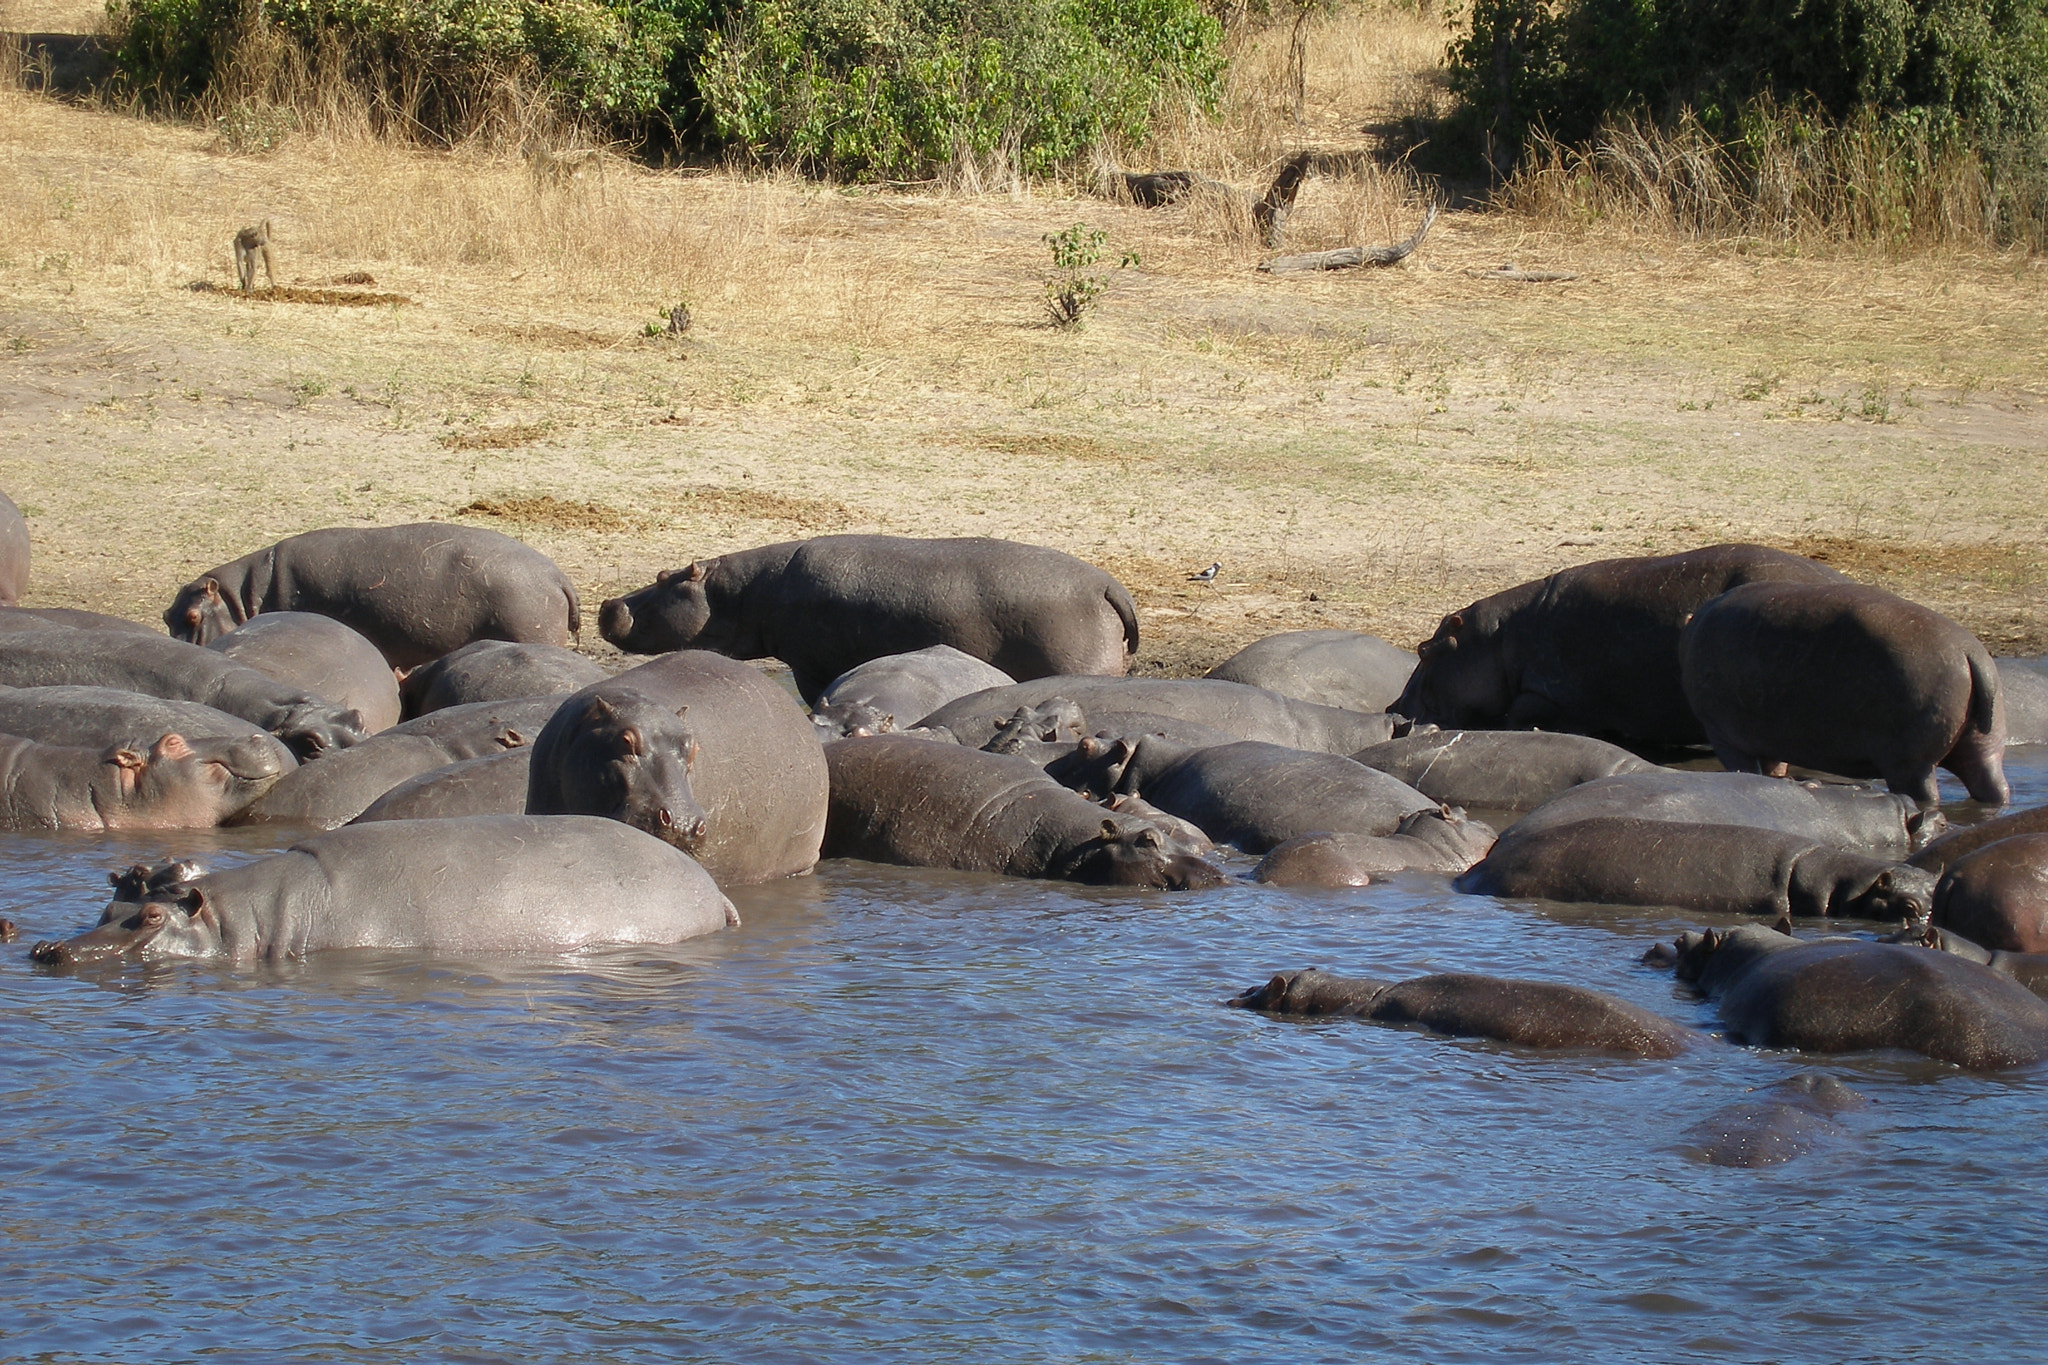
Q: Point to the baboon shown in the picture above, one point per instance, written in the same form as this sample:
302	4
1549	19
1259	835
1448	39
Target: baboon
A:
251	242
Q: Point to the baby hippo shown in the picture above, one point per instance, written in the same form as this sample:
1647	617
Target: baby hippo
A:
175	784
1427	841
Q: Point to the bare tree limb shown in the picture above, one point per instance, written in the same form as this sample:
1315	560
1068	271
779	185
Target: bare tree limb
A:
1343	258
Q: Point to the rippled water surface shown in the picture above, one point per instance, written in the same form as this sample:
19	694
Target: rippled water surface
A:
914	1117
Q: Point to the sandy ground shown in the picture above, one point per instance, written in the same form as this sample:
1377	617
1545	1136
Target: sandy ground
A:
1365	449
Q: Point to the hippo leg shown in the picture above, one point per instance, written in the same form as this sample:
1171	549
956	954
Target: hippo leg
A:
1980	767
1917	783
1740	761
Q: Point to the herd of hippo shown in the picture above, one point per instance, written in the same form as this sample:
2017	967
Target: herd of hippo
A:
466	782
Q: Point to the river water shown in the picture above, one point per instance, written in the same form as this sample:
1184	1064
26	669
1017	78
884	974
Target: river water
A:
908	1117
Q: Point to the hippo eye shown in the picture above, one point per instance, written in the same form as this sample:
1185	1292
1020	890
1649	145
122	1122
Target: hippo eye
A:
152	917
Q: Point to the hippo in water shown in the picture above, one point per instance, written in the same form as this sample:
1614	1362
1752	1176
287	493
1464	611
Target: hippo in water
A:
897	690
824	605
1536	1014
496	670
1836	814
899	799
172	784
1960	843
97	717
1228	708
490	884
1498	769
1845	679
1786	1121
1591	649
1344	668
1427	841
1998	895
317	654
416	592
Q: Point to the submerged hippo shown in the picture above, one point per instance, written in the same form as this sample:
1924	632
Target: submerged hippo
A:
157	667
317	654
1830	813
491	884
897	690
1498	769
417	592
1591	649
1707	869
496	670
824	605
97	717
1786	1121
492	785
1229	708
1998	895
1344	668
1851	995
173	784
899	799
1538	1014
2029	969
1845	679
1427	841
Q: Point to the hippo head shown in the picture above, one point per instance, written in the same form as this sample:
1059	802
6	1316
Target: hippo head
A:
201	613
850	720
1309	991
156	913
1899	892
629	760
1136	853
311	728
184	784
1096	765
1458	679
672	612
1712	956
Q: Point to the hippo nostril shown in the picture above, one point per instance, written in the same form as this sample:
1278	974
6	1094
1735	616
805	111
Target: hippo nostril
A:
49	952
667	821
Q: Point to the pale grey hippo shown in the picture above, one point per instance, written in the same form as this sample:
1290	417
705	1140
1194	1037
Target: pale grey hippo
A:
317	654
171	784
97	717
897	690
1498	769
1427	841
1836	814
1346	668
1231	708
494	784
496	670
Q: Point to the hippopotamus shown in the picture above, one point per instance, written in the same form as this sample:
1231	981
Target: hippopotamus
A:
1498	769
339	787
895	691
13	552
1249	794
1344	668
899	799
494	784
1231	708
97	717
1133	724
1789	1120
176	671
1427	841
1706	869
1846	679
2029	969
496	670
416	592
1535	1014
172	784
2024	690
1591	649
32	618
317	654
1998	895
1849	995
824	605
1835	814
1959	843
716	743
1057	724
1184	836
486	884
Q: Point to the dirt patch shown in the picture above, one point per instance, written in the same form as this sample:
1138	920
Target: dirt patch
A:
1900	561
550	335
758	504
292	293
356	277
497	438
1061	445
554	513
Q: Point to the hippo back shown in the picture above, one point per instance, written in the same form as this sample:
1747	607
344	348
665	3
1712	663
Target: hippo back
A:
1246	713
1345	668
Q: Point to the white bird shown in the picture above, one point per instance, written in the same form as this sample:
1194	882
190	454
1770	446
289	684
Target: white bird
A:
1207	575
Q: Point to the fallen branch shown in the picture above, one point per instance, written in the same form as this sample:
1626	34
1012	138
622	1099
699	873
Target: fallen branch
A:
1343	258
1509	273
1269	215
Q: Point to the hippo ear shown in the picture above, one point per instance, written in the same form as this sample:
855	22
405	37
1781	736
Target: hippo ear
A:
682	712
602	709
127	758
695	573
690	755
171	746
664	575
1109	830
513	739
212	589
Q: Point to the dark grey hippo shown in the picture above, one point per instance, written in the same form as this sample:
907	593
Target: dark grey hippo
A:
1959	843
1498	769
1535	1014
97	717
824	605
1998	895
157	667
1229	708
1344	668
2023	689
172	784
897	690
416	592
30	618
339	787
2029	969
1836	814
1133	725
1249	794
1785	1121
1706	869
13	552
1427	841
496	670
1845	679
692	726
1591	649
1183	835
317	654
1852	995
899	799
490	884
492	785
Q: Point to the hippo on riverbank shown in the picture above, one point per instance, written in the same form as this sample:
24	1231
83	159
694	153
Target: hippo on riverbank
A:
496	670
1224	707
172	784
317	654
416	592
1535	1014
491	884
823	606
1427	841
30	618
2023	689
1591	649
1845	679
1498	769
1344	668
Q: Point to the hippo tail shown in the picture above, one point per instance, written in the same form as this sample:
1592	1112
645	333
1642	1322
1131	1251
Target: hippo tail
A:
1984	694
575	610
1120	598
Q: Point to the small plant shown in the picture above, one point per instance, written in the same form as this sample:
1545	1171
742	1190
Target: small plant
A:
250	129
1070	290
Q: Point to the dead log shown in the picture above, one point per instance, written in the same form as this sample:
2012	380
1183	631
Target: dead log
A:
1509	273
1158	188
1269	215
1343	258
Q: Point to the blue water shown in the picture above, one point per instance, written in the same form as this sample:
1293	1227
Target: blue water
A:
906	1117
